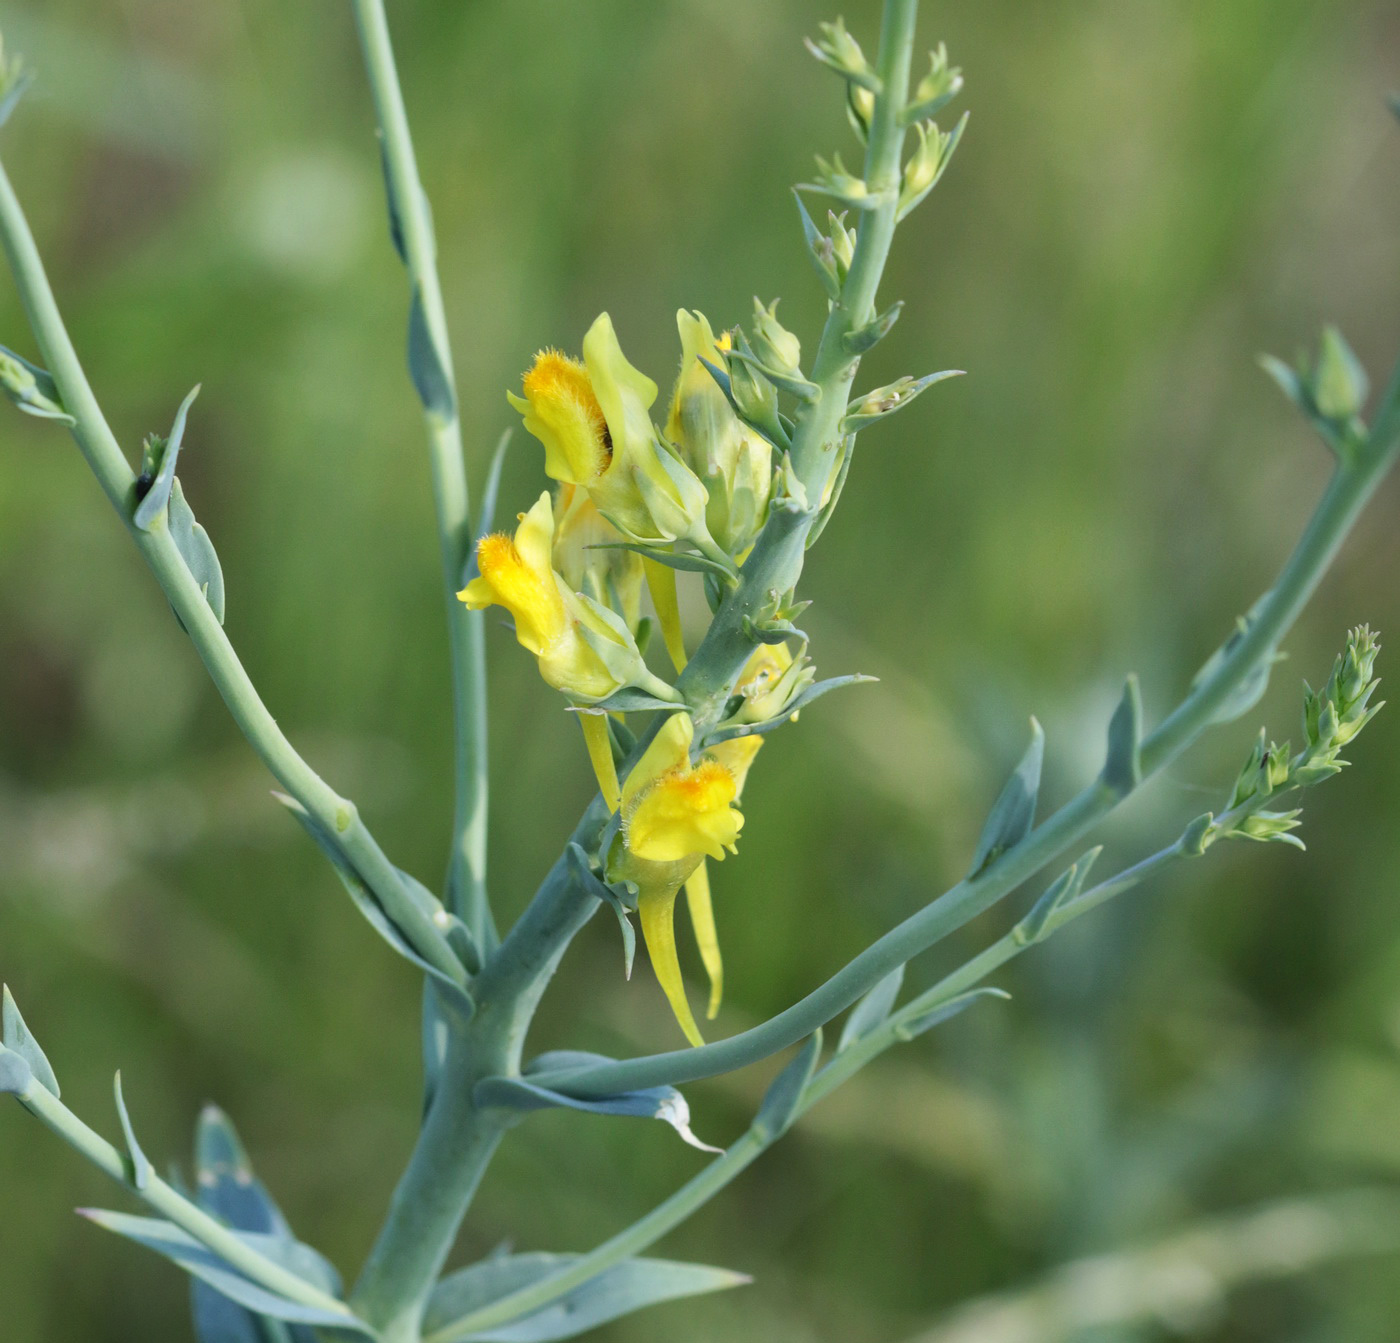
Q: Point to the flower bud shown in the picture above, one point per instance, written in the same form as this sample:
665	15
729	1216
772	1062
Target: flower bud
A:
773	343
732	461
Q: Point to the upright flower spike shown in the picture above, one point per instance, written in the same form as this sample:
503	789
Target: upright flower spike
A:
594	421
734	463
674	815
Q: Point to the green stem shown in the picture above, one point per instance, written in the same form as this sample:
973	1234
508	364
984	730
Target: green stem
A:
466	885
336	815
636	1238
1346	494
160	1196
815	446
452	1153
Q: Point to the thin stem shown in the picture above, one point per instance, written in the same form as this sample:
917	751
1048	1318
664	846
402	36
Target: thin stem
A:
636	1238
466	886
337	816
60	1120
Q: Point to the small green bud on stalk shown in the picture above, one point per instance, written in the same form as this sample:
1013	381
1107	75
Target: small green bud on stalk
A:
936	89
839	51
30	388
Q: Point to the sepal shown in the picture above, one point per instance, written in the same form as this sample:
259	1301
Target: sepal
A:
929	161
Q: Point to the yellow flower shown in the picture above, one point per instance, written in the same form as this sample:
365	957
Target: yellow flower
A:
573	642
675	814
734	463
594	421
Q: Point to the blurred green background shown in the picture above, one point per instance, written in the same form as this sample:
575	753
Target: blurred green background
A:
1148	194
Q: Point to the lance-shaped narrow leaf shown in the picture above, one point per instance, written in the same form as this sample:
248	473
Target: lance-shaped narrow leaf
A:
794	706
227	1188
167	452
911	1027
15	1074
456	997
1061	892
489	495
867	337
784	1096
1013	813
591	882
17	1038
166	1239
885	401
1122	770
519	1093
617	1291
425	367
197	550
141	1168
872	1010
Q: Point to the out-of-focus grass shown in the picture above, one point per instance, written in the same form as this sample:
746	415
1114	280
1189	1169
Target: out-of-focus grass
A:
1148	194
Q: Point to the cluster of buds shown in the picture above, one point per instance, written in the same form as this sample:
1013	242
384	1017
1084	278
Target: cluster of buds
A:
1332	718
633	502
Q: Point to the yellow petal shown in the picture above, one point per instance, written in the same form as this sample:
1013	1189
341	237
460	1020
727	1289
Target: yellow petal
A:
661	582
595	736
736	755
669	750
657	911
702	919
516	574
561	410
685	812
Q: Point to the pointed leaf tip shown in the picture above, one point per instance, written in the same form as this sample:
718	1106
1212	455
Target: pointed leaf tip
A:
784	1096
141	1168
1013	813
1122	770
917	1025
17	1038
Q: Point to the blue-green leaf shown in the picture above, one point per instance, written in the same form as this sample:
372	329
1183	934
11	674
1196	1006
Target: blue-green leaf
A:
141	1168
197	550
600	890
672	559
617	1291
1013	813
520	1093
157	496
627	700
225	1184
871	1010
936	1016
17	1038
1122	770
456	997
784	1095
425	367
15	1075
1061	892
166	1239
794	706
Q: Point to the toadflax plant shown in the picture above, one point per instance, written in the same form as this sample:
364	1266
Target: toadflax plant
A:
722	482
